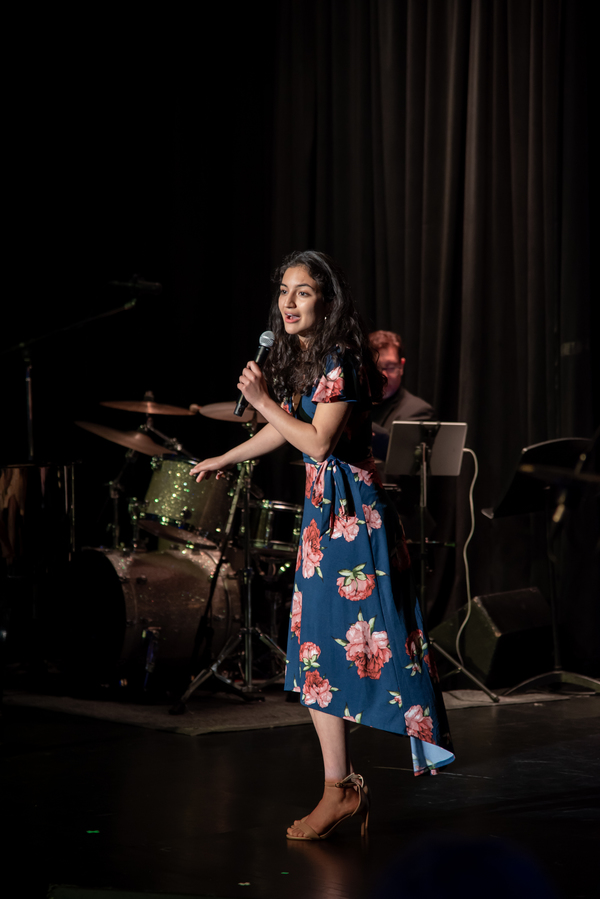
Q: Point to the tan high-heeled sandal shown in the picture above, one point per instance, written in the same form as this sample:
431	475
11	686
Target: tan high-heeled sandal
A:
356	781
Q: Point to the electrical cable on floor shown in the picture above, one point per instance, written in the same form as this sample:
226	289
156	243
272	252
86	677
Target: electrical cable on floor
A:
467	541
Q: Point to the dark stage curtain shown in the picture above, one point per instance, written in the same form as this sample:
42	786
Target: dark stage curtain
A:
438	149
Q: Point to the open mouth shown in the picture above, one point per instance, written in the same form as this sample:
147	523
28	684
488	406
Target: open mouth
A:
290	318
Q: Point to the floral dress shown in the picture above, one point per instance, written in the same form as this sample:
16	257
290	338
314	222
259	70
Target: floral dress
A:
357	647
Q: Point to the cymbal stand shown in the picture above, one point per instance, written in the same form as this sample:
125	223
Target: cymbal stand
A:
170	442
248	691
555	523
115	489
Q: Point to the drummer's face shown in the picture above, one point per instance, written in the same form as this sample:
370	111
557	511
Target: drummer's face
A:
300	303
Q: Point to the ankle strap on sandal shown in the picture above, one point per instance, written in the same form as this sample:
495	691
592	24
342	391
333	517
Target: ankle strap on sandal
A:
353	780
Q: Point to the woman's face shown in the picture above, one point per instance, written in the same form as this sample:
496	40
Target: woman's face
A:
300	302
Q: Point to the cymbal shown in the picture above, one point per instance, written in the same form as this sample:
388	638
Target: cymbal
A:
554	475
135	440
146	408
224	412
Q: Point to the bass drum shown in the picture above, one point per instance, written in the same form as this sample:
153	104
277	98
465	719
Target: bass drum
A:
113	598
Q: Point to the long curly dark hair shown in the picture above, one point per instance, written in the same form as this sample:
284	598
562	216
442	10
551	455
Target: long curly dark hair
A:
290	369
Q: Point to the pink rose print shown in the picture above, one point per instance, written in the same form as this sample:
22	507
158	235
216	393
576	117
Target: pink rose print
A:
414	644
315	482
419	724
309	653
296	613
311	550
317	689
368	649
372	518
345	526
298	558
355	584
311	473
396	698
362	474
329	387
415	647
349	717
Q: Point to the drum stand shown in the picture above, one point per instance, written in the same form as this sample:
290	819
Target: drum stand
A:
248	632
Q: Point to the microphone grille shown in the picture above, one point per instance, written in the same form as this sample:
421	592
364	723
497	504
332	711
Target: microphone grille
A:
267	339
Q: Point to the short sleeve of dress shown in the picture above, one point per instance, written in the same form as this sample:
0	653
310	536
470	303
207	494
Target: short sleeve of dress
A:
340	383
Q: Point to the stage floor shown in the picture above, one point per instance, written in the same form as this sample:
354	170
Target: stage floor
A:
105	806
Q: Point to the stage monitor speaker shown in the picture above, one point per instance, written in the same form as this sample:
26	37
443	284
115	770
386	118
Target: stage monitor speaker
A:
508	637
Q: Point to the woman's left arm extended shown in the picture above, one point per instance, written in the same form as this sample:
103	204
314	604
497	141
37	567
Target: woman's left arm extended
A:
318	438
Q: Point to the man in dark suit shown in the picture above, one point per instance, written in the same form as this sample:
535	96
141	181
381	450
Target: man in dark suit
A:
398	403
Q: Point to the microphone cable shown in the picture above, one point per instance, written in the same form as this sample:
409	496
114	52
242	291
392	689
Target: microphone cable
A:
465	559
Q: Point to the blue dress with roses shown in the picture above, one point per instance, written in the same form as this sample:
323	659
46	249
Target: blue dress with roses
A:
357	647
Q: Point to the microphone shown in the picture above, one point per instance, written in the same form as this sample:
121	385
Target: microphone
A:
138	285
265	342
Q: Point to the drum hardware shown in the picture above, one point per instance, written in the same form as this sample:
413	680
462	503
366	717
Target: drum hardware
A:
248	632
135	441
171	443
115	489
134	508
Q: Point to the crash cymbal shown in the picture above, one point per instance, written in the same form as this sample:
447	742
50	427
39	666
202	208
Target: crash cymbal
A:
135	440
146	408
224	412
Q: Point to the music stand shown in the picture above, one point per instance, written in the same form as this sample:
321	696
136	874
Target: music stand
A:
529	492
425	448
429	448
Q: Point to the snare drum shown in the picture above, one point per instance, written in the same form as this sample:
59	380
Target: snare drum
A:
179	508
275	527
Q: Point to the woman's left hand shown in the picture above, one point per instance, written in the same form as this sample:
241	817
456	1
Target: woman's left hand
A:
253	385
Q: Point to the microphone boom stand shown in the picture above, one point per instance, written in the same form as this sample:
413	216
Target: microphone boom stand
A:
24	348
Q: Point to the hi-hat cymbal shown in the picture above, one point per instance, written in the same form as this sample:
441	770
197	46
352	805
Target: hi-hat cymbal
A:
224	412
135	440
146	408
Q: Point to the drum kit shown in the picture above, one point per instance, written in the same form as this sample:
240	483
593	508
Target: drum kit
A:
190	598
